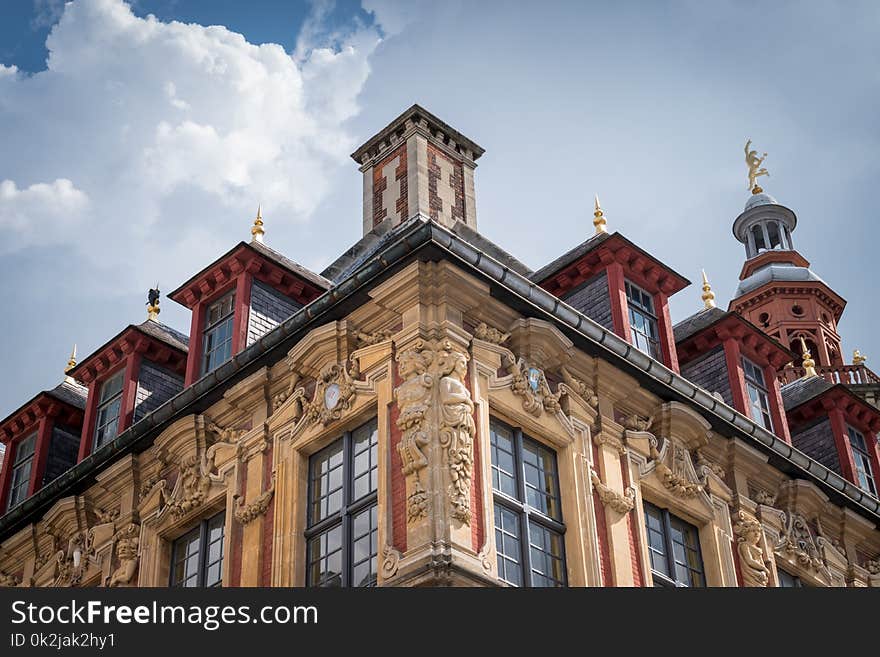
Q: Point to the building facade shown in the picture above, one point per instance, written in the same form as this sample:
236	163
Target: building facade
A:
428	411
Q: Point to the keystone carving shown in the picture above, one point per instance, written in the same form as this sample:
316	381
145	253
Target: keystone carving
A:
611	498
247	513
413	398
457	429
488	334
748	544
334	394
530	383
127	540
390	561
580	388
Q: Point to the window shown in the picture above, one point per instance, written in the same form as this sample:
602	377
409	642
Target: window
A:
342	529
642	321
22	463
217	336
788	581
109	405
197	556
758	237
759	401
864	473
528	516
674	547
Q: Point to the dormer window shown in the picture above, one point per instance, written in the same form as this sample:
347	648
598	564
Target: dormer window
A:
759	400
109	405
21	470
217	336
643	321
864	473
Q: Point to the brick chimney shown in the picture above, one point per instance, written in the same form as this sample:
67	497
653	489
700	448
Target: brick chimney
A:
418	166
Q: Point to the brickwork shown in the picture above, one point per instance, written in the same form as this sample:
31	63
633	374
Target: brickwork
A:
710	373
156	385
817	442
593	300
380	185
440	190
267	310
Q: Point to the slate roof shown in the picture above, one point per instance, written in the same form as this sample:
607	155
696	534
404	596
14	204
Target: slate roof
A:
569	257
697	322
803	390
70	392
165	334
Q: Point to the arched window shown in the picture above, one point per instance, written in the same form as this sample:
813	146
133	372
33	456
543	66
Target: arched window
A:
758	236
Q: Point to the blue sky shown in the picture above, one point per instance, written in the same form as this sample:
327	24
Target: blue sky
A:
140	150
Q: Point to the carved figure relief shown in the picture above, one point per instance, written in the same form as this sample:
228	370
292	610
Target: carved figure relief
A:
127	540
580	388
457	429
680	477
755	572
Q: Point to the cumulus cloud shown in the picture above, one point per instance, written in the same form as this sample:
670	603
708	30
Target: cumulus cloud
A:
170	134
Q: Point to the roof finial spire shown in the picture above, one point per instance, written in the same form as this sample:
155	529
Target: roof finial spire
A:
753	162
809	363
599	218
153	303
71	362
257	231
708	295
858	358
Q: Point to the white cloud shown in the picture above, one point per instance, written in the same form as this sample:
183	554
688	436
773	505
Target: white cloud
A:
168	131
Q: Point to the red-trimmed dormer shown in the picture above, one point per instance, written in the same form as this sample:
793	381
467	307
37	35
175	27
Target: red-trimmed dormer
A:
240	297
621	287
129	376
42	440
726	354
836	427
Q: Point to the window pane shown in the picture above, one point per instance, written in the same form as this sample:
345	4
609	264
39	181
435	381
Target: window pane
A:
539	471
326	482
364	547
545	548
503	461
365	441
325	558
507	545
25	449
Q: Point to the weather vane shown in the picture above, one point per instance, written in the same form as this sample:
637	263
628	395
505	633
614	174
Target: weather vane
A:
755	169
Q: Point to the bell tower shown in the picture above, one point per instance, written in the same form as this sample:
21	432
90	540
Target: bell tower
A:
778	291
418	166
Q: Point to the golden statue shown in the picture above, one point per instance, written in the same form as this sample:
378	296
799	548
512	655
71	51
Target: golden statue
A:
755	169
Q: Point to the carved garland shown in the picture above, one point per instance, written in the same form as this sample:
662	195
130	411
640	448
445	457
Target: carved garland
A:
247	513
621	503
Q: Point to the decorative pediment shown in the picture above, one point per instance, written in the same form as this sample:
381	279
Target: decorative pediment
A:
797	543
686	426
334	393
530	384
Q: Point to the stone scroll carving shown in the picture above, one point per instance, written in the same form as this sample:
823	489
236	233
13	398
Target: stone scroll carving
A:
622	503
531	385
127	540
798	542
489	334
751	556
7	580
334	394
580	388
679	477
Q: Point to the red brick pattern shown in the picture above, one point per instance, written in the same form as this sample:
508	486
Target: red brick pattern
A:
398	483
602	532
236	543
638	578
268	522
380	184
456	182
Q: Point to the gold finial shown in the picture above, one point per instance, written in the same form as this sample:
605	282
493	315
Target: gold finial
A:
753	162
809	363
71	363
599	218
153	303
708	295
257	231
858	359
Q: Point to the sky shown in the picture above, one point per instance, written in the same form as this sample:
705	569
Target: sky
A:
136	140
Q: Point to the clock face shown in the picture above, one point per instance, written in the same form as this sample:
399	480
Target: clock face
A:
331	396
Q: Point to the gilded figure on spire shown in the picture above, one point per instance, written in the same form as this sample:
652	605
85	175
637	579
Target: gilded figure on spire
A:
755	169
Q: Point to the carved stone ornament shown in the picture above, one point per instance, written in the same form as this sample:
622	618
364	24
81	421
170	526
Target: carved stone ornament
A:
334	394
369	339
72	562
285	394
621	503
413	398
247	513
612	441
636	422
127	540
8	581
749	532
765	498
390	561
798	542
193	483
705	465
580	388
457	428
873	566
488	334
105	517
679	478
530	383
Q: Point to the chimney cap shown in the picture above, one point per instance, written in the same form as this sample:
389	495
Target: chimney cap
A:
428	123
